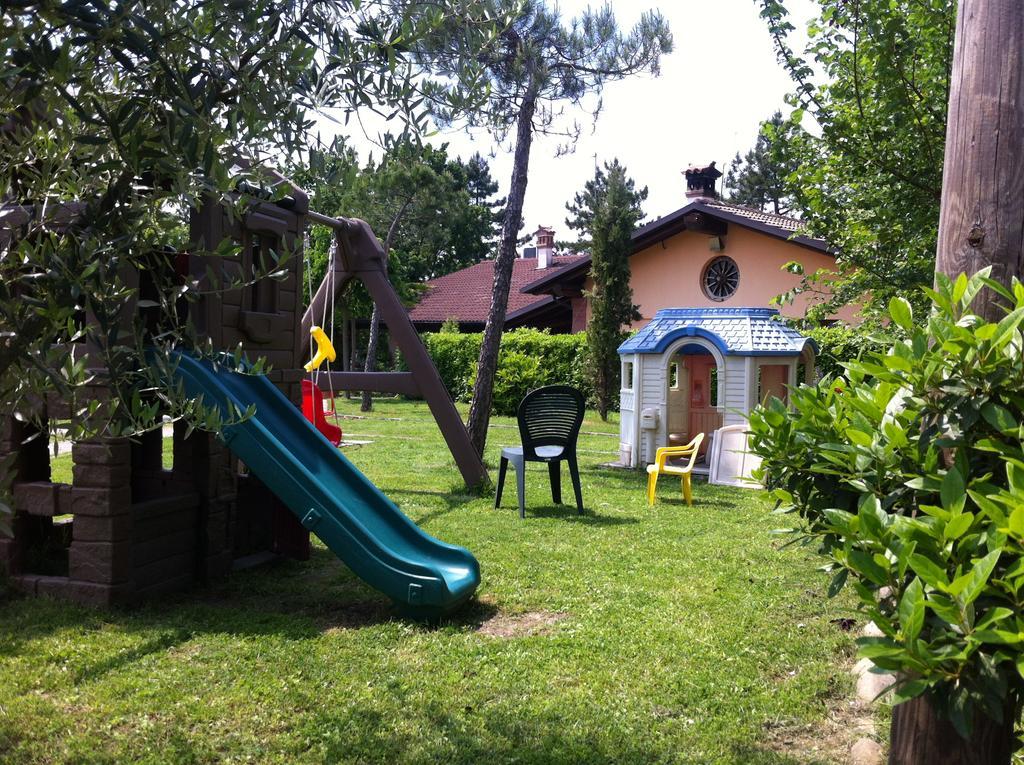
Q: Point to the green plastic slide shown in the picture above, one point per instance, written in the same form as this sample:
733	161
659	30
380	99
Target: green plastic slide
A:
425	577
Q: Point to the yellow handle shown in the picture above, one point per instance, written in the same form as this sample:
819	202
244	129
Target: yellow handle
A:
324	349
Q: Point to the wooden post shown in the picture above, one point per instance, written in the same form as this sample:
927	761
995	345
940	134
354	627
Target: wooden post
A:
919	736
981	223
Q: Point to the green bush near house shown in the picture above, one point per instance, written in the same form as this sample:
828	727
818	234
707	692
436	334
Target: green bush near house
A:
909	477
529	358
840	343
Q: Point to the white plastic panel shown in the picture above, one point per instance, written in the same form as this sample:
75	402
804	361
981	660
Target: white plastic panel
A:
731	461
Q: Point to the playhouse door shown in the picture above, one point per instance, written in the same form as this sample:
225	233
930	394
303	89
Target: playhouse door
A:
704	415
678	399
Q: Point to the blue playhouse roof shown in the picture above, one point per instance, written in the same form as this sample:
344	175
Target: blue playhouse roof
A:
734	331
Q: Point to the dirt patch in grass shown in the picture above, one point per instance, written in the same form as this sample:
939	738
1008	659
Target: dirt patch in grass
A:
828	741
521	625
352	615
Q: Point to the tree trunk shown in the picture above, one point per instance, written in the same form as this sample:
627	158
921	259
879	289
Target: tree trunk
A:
980	224
919	736
983	178
366	404
487	364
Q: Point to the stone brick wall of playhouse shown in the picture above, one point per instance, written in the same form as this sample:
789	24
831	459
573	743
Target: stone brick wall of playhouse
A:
127	529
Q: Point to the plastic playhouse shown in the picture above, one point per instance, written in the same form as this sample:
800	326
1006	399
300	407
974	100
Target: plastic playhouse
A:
695	370
126	529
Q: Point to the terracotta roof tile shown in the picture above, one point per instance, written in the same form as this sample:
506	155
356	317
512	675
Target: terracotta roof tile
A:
466	295
771	219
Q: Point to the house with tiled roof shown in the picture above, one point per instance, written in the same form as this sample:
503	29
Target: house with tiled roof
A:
708	253
465	296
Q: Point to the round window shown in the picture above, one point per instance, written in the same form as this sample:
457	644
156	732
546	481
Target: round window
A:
721	278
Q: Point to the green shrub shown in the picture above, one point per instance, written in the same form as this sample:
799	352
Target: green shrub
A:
449	326
455	357
909	475
840	343
553	359
518	374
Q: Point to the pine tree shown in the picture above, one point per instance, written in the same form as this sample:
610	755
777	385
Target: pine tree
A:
758	179
539	66
613	211
482	188
585	203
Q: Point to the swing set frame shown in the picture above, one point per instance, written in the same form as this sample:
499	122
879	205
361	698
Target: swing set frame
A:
357	254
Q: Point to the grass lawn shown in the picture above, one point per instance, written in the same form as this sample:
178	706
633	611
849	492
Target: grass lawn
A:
627	635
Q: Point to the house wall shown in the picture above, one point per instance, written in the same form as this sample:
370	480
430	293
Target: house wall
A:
668	274
580	313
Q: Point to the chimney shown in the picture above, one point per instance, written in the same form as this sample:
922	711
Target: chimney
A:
700	182
545	237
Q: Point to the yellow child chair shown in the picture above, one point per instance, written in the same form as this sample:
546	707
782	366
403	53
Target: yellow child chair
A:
661	465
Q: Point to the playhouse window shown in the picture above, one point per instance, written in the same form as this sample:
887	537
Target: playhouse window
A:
263	258
627	375
673	375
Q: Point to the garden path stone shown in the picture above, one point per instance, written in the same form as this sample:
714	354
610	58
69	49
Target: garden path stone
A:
866	751
870	685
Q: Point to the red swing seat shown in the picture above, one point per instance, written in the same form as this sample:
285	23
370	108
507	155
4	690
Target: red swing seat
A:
313	410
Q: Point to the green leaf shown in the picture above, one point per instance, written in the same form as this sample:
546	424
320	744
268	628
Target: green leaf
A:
932	574
865	564
998	637
871	516
946	609
969	586
1008	325
959	288
1015	475
901	312
1016	522
842	521
898	363
952	490
858	437
875	647
911	610
958	525
994	615
999	417
836	585
905	690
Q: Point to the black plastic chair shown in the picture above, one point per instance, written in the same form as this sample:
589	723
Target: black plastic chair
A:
549	424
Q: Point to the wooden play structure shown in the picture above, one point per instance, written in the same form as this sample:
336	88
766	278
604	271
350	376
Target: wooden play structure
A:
126	528
695	370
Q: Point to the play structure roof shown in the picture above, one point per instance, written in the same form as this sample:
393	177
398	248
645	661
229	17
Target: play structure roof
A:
734	331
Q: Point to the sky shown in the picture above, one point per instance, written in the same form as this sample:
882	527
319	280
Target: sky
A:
721	80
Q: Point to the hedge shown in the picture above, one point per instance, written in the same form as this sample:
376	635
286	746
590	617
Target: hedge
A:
840	343
529	358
